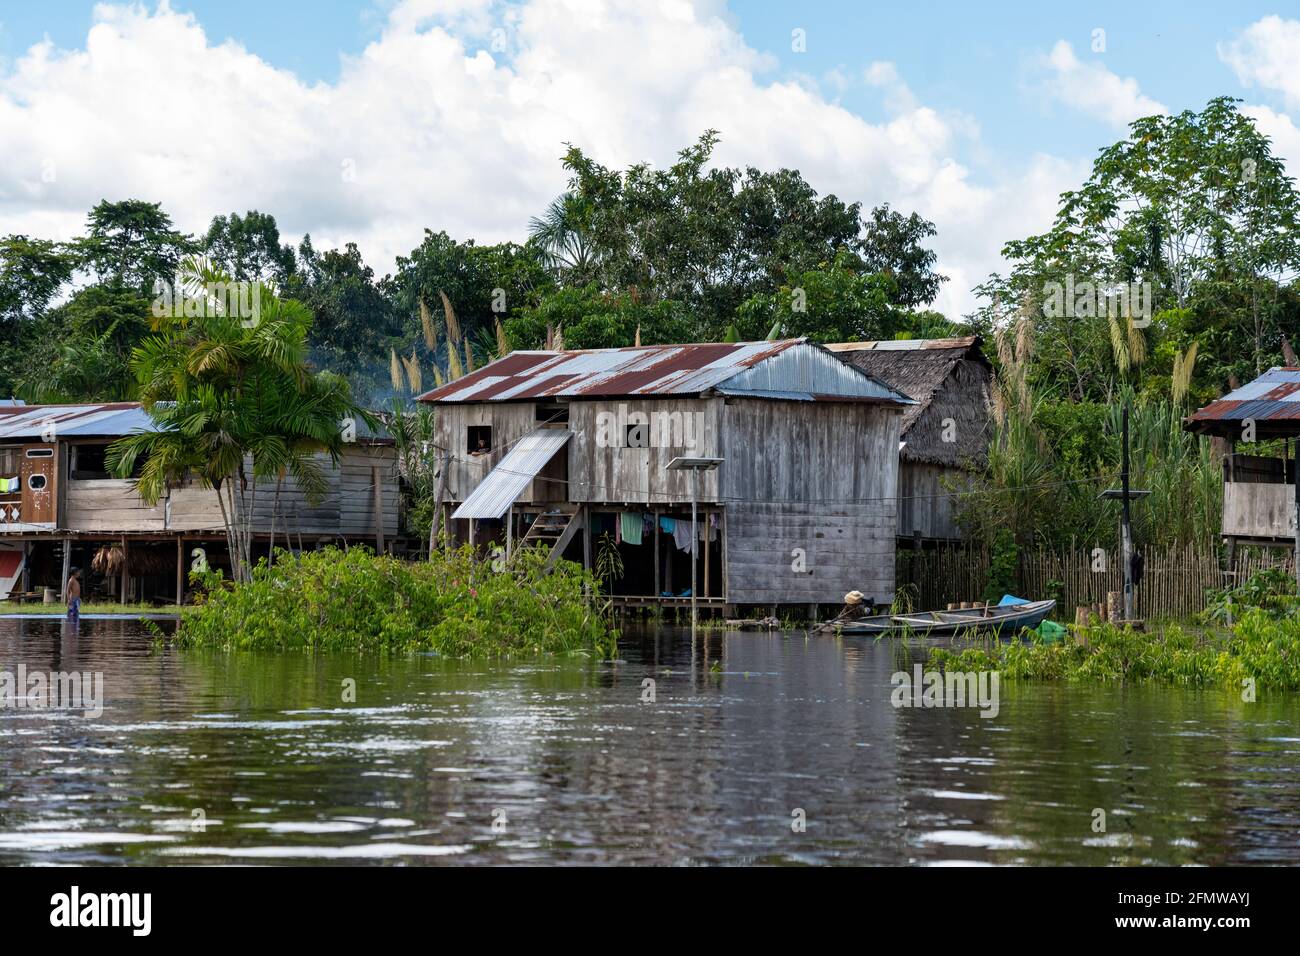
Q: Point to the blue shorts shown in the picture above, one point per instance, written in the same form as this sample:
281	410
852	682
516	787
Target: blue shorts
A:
74	609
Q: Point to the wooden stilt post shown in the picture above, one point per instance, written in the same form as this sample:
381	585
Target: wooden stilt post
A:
126	577
180	570
67	569
705	529
658	561
379	508
586	537
436	525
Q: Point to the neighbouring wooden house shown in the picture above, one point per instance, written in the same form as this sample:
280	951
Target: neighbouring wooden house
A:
571	450
56	496
945	435
1259	492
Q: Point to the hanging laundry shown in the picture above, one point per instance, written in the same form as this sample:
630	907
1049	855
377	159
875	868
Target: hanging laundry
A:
647	524
667	525
682	535
631	525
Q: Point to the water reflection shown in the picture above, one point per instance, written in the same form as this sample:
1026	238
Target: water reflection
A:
216	758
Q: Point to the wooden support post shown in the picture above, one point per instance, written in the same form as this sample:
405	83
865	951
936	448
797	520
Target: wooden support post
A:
586	537
510	531
658	562
379	508
126	576
67	569
706	554
180	570
436	525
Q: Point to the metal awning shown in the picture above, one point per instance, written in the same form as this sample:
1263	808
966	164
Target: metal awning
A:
507	481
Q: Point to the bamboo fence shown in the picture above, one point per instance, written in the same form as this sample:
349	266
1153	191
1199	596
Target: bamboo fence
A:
1174	584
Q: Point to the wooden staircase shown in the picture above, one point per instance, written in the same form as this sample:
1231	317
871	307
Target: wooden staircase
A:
554	529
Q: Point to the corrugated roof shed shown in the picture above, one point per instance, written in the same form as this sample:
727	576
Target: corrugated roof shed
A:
789	369
1271	401
953	373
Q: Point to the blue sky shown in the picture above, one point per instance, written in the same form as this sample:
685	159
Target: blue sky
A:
960	55
977	117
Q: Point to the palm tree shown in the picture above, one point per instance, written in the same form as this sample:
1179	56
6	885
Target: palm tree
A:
562	235
234	402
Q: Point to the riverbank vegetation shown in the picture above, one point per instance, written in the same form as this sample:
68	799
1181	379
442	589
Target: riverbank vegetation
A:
454	605
1249	639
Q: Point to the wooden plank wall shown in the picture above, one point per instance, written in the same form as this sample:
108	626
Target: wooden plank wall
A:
925	501
603	471
510	421
347	508
843	548
817	476
111	504
1256	509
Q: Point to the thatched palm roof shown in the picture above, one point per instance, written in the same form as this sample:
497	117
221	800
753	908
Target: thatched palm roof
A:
949	379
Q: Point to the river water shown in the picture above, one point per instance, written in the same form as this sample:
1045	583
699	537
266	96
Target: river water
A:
757	748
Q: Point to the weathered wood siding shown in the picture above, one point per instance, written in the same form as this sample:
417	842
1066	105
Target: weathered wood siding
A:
510	422
348	505
926	502
112	504
1254	509
100	505
809	482
603	470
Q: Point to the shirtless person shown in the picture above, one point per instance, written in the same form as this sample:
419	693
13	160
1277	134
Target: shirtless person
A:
74	596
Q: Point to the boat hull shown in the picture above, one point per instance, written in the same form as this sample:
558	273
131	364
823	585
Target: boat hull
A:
1011	619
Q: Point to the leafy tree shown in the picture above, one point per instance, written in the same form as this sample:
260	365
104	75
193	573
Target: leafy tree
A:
832	303
31	273
1196	206
892	244
592	319
482	284
354	323
248	248
132	243
80	351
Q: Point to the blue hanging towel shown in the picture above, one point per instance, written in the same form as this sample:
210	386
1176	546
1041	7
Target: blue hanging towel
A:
667	525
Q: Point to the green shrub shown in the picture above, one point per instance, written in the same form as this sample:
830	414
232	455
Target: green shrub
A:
1259	646
454	605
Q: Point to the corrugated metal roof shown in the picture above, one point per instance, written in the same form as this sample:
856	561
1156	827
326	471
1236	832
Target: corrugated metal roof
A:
790	368
100	420
1272	399
507	481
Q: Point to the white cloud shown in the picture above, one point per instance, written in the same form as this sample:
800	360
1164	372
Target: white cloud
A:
455	118
1092	88
1266	55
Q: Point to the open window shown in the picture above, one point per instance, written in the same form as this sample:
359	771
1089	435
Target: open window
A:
88	462
479	439
552	413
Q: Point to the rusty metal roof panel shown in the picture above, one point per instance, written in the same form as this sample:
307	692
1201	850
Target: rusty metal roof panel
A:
788	366
1274	396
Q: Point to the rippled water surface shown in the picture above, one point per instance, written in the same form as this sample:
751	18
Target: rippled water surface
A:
217	758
